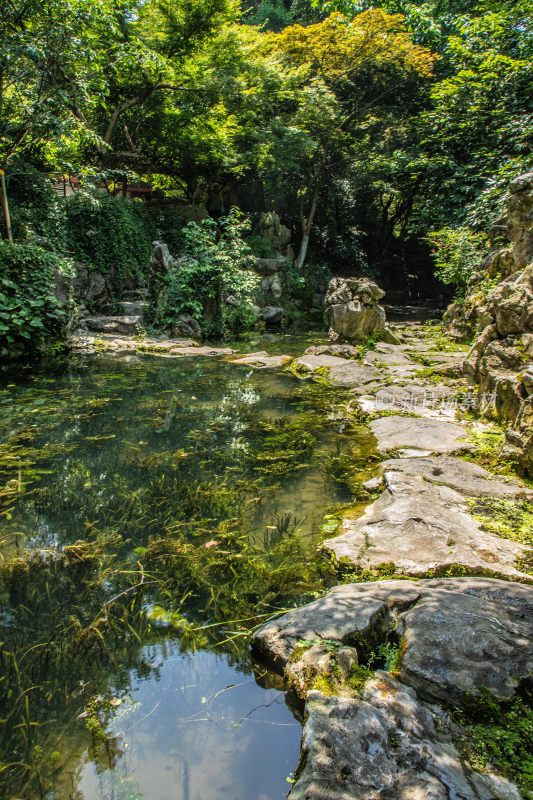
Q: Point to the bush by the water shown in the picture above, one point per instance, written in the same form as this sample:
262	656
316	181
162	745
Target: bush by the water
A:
111	235
214	282
30	313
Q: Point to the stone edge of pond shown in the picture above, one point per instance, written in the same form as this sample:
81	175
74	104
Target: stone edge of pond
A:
355	717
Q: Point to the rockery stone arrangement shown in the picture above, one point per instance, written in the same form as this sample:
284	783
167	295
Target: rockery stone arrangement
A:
500	361
353	311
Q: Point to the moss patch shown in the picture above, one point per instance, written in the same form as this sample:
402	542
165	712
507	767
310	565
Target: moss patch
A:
498	734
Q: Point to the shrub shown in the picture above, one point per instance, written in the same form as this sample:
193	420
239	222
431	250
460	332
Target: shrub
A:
457	252
214	282
29	310
112	235
38	215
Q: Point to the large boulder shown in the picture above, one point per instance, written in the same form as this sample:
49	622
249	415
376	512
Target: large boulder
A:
270	228
458	634
386	744
352	309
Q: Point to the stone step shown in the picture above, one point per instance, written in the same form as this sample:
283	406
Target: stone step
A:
127	325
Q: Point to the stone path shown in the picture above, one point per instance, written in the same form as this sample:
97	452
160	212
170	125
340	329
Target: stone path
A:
386	739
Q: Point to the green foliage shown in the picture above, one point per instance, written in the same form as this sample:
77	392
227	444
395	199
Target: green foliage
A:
499	734
510	519
111	235
29	310
457	252
214	282
38	216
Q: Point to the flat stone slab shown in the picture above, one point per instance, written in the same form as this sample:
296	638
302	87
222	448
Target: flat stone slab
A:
457	634
465	477
262	360
341	372
166	348
433	435
314	361
386	744
419	528
388	355
426	400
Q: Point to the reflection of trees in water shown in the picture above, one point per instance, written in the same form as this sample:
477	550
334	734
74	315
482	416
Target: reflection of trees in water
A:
131	502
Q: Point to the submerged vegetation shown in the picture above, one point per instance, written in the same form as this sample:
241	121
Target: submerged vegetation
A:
141	504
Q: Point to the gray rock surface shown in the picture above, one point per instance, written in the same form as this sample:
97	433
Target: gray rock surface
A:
430	435
417	528
262	360
125	325
502	323
352	309
458	634
465	477
386	744
271	315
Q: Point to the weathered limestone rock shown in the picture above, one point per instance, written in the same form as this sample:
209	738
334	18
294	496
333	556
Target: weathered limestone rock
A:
151	345
427	400
271	315
271	228
320	662
125	325
426	435
269	266
352	309
457	634
340	371
262	360
340	350
386	744
503	321
464	477
186	326
419	528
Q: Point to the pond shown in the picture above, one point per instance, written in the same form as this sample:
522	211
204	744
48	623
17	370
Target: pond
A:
153	512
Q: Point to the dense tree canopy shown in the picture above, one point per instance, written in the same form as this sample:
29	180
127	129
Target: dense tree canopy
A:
365	124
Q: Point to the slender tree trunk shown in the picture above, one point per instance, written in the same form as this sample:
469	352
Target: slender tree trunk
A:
306	223
5	206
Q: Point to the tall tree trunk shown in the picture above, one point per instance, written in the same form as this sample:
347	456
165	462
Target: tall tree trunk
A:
5	206
306	224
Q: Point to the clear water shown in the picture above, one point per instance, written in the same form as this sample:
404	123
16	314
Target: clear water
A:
112	448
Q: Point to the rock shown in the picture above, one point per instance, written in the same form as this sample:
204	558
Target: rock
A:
340	350
505	318
314	362
133	308
89	285
151	345
319	662
270	228
128	326
433	435
352	309
340	371
457	634
527	379
386	745
418	528
427	400
271	315
464	477
262	360
269	266
186	326
272	284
